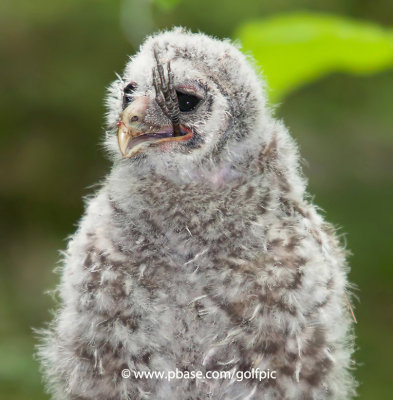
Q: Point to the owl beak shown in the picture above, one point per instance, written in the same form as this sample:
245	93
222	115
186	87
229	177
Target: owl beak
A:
134	135
130	125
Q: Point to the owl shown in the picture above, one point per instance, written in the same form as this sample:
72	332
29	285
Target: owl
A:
200	269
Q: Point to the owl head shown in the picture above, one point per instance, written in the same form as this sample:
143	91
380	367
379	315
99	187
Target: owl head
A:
184	99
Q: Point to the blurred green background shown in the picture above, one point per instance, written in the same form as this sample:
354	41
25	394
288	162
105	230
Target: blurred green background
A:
57	58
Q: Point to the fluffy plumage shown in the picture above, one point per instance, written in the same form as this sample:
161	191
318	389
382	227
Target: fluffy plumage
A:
202	255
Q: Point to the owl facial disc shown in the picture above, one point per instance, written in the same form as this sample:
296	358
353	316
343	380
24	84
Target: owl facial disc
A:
134	135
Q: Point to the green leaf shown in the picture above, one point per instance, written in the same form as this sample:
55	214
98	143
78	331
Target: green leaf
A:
299	48
166	5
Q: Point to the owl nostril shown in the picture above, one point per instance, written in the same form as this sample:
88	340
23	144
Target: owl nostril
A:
135	112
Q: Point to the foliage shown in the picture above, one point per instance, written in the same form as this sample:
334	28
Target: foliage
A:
294	49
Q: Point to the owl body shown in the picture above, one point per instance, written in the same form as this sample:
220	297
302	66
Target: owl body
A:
207	258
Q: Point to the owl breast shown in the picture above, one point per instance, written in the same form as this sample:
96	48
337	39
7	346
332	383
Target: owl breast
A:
189	283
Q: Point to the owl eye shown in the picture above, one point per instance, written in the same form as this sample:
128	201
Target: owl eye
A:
127	94
187	102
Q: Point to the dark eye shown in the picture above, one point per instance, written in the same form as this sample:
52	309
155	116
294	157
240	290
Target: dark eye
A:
187	102
127	94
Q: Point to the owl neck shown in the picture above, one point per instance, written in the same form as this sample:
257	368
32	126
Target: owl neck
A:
268	155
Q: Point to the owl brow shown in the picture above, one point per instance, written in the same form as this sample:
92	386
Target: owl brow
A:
166	96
